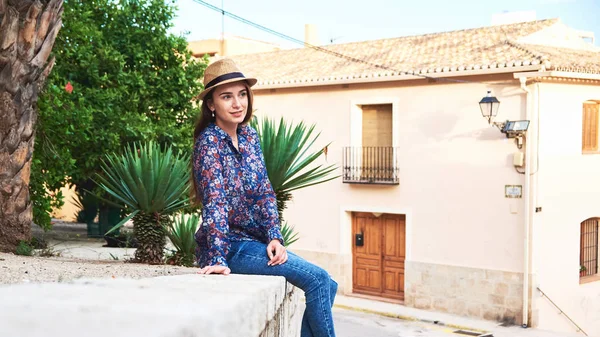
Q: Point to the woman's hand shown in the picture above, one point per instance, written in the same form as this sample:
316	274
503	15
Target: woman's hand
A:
215	270
277	253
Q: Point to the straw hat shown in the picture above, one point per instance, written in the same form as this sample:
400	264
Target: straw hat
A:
221	72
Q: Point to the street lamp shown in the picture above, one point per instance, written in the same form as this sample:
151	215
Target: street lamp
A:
489	106
512	129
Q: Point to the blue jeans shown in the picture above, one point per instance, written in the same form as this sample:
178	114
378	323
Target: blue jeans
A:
250	257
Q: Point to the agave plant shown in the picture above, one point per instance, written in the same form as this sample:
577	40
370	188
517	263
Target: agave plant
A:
152	184
289	162
181	234
87	206
289	234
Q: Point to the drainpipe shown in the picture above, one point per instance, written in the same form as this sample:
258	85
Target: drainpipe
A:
526	192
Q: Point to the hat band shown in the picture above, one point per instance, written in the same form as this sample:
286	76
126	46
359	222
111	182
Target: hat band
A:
224	77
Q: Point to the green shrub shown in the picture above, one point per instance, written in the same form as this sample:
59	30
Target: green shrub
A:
24	248
38	243
181	233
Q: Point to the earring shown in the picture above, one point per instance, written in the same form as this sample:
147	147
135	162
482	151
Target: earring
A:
213	114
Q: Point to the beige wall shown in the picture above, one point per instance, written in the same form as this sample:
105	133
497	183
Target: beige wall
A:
69	211
568	192
453	168
231	46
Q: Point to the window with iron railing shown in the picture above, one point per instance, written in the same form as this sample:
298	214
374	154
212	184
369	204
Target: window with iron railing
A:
588	254
370	165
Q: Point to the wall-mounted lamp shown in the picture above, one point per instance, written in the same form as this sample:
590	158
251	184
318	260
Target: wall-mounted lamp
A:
489	106
512	129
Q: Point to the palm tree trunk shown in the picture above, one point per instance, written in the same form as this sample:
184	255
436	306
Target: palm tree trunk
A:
28	29
150	232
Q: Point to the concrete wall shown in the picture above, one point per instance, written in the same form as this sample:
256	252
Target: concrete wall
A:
233	45
453	169
186	305
568	187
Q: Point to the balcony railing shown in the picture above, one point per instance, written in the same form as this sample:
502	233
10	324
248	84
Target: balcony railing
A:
371	165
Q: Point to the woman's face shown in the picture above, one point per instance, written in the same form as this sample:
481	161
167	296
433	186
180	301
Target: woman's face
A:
229	103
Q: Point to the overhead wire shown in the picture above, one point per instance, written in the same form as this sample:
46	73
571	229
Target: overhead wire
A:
334	53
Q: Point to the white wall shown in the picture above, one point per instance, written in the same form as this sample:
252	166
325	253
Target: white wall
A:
453	168
569	193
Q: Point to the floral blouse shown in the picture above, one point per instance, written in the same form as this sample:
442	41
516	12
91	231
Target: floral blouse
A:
237	197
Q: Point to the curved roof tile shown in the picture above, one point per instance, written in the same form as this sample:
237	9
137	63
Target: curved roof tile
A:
470	49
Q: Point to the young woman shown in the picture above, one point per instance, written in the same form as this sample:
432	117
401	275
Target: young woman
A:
240	224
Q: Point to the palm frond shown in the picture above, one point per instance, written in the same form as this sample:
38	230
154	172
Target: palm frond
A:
122	222
290	163
289	234
287	157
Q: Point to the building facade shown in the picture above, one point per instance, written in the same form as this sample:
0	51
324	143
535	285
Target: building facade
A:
436	208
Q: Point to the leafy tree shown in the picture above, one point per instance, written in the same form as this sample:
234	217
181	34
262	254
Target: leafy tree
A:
28	31
120	77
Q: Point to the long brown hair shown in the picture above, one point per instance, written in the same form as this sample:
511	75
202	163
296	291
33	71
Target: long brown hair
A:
205	119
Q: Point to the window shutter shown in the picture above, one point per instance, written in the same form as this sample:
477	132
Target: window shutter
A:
590	126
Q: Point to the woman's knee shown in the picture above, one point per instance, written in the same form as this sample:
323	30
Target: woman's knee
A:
322	278
322	275
308	275
333	285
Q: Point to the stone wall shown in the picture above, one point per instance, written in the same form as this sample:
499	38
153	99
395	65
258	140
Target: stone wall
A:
480	293
178	306
287	320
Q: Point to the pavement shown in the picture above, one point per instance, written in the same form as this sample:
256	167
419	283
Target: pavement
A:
417	322
353	323
70	240
89	249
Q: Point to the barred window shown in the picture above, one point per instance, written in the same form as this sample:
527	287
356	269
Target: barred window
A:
588	255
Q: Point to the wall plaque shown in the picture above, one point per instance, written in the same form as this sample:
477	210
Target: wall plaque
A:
513	191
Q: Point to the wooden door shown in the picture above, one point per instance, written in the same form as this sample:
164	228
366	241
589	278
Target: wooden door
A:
367	258
378	265
394	247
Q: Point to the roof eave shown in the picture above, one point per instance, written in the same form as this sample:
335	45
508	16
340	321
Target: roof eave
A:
558	74
389	78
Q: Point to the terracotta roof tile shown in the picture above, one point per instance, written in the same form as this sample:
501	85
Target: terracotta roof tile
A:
480	48
567	59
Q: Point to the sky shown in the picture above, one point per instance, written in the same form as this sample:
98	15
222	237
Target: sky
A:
350	21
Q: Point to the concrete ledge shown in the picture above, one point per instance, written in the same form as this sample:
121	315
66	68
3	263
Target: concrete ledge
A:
184	305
